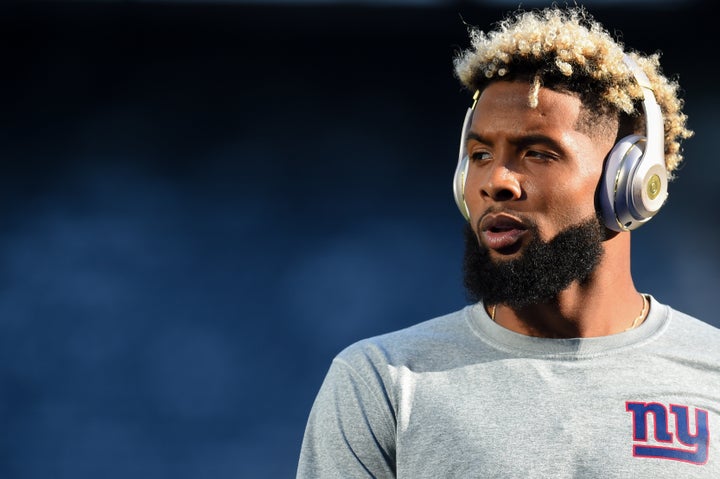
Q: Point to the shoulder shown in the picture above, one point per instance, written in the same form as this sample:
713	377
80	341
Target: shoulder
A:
689	326
422	345
692	336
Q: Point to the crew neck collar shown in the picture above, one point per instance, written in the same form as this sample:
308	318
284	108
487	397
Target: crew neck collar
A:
509	341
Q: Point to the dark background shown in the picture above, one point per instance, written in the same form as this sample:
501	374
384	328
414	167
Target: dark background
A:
201	204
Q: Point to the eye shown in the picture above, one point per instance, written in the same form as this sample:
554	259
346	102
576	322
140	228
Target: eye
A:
540	156
479	155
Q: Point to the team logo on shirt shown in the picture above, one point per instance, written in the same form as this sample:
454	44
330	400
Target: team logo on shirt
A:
677	432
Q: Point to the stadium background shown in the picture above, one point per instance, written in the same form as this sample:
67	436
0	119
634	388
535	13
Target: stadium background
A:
202	203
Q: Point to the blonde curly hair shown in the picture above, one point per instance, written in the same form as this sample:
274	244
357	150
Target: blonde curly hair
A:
568	50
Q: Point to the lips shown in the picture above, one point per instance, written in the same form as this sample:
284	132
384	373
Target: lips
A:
501	231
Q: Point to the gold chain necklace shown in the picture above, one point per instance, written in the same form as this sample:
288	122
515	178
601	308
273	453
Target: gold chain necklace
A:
636	322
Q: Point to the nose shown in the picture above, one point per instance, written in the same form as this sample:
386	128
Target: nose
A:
501	183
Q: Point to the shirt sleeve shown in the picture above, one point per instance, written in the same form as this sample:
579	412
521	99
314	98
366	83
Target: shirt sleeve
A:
351	428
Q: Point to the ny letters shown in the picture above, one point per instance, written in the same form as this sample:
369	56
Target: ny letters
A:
682	444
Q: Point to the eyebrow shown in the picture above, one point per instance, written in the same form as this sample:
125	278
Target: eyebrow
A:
524	140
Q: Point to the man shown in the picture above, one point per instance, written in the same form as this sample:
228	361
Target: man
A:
561	368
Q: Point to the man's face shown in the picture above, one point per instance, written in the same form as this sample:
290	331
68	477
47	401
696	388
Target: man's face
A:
529	166
530	191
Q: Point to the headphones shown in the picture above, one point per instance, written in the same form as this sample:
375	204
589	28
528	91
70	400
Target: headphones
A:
634	182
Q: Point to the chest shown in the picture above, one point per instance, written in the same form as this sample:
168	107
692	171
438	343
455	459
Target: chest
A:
529	418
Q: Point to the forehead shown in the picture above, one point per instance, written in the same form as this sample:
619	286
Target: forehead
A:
505	104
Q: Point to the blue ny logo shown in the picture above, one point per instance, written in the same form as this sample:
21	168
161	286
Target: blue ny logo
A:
683	445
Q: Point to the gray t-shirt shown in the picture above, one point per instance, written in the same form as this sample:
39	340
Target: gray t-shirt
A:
462	397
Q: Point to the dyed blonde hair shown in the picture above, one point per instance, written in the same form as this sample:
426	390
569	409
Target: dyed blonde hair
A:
566	49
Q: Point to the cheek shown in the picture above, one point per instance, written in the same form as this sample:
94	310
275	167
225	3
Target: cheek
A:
473	198
572	209
567	202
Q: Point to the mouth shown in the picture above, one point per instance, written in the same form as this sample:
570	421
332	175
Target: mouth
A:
502	233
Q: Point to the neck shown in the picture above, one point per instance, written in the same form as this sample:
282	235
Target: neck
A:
607	303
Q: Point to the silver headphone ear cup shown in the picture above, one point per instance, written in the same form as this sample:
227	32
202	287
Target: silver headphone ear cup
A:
459	186
614	191
462	168
634	183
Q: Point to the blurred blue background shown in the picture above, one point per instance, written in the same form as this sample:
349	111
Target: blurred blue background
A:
202	203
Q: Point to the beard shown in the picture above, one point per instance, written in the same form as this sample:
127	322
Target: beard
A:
540	273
